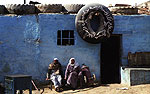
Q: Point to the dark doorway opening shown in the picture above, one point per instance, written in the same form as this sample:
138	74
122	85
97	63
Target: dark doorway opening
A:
110	60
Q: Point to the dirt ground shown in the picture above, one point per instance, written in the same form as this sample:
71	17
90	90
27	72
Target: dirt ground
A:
102	89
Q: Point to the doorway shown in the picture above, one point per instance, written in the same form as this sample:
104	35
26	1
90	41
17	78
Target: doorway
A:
110	60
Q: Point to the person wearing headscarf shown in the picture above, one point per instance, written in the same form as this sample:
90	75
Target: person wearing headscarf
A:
85	72
71	73
55	74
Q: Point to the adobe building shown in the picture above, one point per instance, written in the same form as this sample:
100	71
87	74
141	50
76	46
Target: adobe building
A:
28	43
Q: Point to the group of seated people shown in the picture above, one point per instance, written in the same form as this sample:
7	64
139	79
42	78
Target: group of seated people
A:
75	76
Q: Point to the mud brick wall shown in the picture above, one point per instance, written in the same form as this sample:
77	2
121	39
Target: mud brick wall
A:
29	43
135	34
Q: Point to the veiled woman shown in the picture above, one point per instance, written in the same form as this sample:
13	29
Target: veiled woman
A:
71	73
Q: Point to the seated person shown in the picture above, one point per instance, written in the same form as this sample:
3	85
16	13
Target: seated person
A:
88	80
71	73
55	74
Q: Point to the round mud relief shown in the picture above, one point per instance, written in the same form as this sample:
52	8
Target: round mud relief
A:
94	23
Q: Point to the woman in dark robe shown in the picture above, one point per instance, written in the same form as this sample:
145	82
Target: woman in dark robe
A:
85	72
71	73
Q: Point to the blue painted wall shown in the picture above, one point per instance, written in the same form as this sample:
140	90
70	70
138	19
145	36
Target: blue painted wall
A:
135	32
20	53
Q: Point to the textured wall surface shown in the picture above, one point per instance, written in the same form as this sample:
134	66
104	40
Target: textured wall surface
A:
135	34
135	38
21	53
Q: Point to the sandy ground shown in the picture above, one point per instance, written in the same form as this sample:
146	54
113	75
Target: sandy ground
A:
102	89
